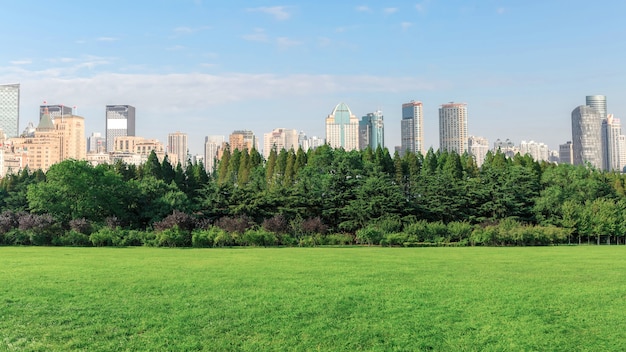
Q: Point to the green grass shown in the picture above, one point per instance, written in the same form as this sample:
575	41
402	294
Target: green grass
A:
328	299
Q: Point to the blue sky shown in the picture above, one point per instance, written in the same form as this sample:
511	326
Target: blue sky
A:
211	67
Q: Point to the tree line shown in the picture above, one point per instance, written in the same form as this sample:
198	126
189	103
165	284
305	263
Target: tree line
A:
322	196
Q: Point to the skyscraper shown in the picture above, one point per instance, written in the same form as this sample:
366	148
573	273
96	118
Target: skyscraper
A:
598	103
120	122
586	136
55	111
242	139
412	127
478	147
212	146
280	138
342	128
566	153
611	132
371	131
177	148
10	109
453	127
96	143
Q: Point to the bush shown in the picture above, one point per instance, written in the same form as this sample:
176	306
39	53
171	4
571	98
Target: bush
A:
370	235
178	219
41	228
459	231
208	237
238	225
173	237
395	239
9	220
259	237
73	238
17	237
339	239
102	237
276	224
224	239
81	225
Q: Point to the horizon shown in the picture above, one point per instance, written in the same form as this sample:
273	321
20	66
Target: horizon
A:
214	68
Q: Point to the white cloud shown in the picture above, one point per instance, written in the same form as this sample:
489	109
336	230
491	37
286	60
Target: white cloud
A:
390	10
406	25
279	12
182	30
363	8
284	42
107	39
422	6
258	35
500	10
21	62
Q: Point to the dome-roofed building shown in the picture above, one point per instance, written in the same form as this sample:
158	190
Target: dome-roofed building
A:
342	128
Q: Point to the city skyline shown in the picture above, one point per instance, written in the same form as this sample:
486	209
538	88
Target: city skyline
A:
210	68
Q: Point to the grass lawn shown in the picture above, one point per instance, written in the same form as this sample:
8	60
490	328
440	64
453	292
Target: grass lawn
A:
251	299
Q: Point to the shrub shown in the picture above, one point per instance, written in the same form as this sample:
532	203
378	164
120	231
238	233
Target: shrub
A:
102	237
173	237
313	226
259	237
224	238
179	219
81	225
370	235
73	238
238	225
389	224
339	239
276	224
459	231
395	239
41	228
9	220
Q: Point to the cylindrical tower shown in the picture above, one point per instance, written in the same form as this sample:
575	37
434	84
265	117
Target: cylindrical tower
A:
598	103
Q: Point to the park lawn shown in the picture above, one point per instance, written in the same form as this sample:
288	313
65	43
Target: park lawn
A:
302	299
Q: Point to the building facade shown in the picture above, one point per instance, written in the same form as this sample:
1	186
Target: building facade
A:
372	131
212	147
478	147
453	127
280	138
10	109
120	122
587	136
611	132
242	139
177	148
566	153
55	111
342	128
412	128
96	143
538	151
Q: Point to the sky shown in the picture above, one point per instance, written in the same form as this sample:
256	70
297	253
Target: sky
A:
211	67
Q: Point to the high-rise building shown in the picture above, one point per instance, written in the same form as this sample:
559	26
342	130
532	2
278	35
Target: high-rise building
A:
342	128
10	109
598	103
622	155
96	143
372	131
280	138
55	111
242	139
506	147
611	132
412	127
53	141
538	151
177	148
478	147
120	122
307	143
566	153
586	136
212	147
453	127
